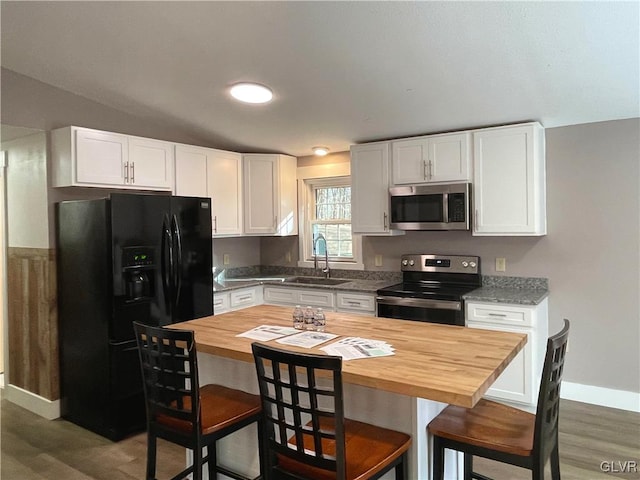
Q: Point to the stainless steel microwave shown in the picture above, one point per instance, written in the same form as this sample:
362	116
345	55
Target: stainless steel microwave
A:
430	207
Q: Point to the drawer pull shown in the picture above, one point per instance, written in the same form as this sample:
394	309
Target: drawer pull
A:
502	315
354	303
242	299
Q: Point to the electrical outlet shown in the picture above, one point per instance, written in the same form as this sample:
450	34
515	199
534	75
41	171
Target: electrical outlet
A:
377	260
226	259
501	264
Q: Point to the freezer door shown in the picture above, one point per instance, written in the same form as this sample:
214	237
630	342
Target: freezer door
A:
192	246
139	224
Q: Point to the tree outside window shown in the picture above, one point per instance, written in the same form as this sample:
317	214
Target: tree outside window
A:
331	217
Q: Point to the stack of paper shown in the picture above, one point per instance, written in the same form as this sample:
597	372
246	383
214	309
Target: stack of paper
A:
307	339
350	348
268	332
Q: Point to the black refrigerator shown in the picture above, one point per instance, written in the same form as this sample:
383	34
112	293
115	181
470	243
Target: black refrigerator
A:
121	259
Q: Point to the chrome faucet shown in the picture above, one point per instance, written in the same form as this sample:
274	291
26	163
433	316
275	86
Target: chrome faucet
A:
325	270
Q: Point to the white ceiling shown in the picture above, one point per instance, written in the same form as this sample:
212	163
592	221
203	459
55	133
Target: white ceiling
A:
342	72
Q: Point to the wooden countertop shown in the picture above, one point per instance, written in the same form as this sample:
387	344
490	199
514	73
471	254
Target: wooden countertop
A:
449	364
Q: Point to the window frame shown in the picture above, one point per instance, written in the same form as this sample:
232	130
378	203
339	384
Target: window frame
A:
306	195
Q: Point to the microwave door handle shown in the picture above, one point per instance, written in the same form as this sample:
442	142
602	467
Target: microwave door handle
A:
445	207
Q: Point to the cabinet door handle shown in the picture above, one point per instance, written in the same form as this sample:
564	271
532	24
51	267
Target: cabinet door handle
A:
430	169
126	172
215	224
133	172
502	315
475	219
424	169
385	221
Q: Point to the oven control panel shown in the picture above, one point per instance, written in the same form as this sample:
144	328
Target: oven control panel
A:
440	263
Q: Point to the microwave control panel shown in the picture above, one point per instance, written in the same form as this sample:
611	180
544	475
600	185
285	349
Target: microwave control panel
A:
457	207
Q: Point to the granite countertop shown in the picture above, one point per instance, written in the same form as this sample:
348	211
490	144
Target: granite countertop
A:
495	289
514	290
512	295
350	285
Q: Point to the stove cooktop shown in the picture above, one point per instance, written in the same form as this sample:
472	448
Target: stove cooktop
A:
435	292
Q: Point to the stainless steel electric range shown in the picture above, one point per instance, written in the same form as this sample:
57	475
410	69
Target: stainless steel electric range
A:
432	288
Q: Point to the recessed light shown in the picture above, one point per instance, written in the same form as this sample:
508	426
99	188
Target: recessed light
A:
251	93
320	151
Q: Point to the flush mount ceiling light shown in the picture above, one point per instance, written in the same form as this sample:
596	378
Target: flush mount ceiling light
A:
320	151
251	93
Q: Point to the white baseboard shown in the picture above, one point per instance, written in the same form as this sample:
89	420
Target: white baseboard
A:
49	409
606	397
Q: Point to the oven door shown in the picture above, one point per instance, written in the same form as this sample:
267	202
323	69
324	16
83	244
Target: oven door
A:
446	312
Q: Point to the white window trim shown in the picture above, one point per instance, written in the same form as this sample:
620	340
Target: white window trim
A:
304	215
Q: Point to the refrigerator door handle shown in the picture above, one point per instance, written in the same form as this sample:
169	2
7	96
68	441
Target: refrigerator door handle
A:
178	267
167	273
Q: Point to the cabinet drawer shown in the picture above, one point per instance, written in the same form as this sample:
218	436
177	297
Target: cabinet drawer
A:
499	314
280	295
317	298
221	302
243	298
355	301
299	296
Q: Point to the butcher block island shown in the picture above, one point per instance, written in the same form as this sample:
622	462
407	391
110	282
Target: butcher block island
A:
433	365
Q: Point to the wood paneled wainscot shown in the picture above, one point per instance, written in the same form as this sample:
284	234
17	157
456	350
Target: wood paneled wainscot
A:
433	365
33	321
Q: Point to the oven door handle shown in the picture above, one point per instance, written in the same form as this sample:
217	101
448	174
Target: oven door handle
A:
420	303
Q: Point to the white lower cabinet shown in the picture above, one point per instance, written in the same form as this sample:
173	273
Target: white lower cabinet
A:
356	303
299	296
328	299
237	299
221	302
519	382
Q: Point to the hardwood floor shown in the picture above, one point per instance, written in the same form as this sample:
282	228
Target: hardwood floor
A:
33	448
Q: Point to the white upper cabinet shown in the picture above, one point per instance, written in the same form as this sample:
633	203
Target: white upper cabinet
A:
431	159
150	163
224	181
270	194
191	171
92	158
207	172
370	189
509	188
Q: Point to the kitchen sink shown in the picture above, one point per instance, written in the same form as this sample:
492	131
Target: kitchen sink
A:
317	281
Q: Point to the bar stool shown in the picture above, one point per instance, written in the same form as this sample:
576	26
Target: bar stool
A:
305	434
182	412
506	434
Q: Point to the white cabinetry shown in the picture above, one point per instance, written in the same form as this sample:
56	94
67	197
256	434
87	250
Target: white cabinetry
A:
207	172
356	302
520	380
509	190
221	302
91	158
431	159
370	189
236	299
299	296
270	194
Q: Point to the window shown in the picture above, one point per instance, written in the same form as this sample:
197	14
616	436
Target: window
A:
328	213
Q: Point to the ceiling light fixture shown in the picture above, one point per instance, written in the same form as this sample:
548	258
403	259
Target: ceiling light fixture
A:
320	151
251	93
